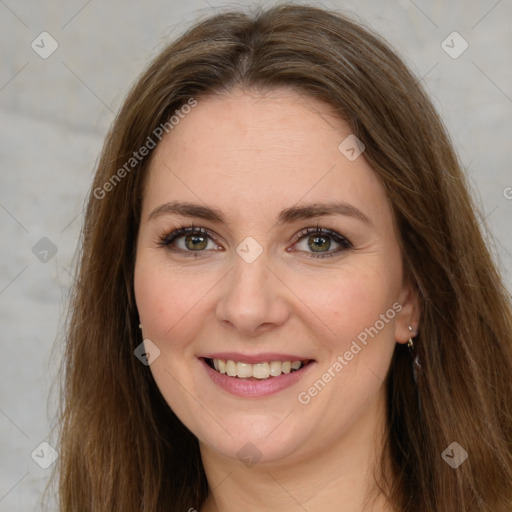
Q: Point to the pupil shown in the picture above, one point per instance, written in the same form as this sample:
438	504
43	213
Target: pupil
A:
197	240
317	243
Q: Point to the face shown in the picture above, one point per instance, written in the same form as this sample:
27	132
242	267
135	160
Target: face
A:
251	280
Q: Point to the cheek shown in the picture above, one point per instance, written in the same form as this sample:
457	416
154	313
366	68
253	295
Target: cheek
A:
174	304
350	301
163	298
360	315
357	308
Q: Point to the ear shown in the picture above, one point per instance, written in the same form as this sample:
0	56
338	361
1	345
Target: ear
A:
409	315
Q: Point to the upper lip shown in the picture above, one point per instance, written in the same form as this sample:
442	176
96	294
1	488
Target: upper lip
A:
254	358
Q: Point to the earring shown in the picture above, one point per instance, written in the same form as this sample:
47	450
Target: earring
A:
416	366
140	326
410	343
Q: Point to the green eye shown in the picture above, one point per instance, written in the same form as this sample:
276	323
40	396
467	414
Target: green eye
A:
195	239
319	241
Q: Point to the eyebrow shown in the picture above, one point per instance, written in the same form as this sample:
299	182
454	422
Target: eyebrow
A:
286	216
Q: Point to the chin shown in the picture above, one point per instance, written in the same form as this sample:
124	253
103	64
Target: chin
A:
251	449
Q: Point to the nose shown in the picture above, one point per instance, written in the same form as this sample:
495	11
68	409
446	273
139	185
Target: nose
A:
253	299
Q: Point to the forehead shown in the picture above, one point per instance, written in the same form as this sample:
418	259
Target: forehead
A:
248	150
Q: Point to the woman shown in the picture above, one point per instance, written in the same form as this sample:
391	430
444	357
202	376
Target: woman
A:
284	300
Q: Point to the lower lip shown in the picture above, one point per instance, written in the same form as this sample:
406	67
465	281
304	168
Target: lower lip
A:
255	388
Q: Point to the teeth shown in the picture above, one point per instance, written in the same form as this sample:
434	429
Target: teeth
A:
243	370
287	367
275	368
258	371
231	368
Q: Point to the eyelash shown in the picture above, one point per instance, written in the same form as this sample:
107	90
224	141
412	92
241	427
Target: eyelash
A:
167	238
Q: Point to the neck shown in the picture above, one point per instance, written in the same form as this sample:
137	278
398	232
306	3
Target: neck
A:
339	477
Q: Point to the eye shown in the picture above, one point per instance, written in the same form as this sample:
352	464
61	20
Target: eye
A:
319	241
191	240
188	239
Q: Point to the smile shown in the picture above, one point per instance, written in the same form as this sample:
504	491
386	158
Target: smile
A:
259	371
257	379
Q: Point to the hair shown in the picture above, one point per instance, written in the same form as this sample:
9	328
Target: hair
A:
122	447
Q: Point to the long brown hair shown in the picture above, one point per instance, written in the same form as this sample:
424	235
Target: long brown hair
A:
121	446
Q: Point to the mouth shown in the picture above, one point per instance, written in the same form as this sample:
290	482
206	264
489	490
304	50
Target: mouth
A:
265	370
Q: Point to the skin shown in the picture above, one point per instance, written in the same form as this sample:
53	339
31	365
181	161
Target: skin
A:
251	155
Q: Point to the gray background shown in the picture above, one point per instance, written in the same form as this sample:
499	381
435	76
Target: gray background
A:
56	111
